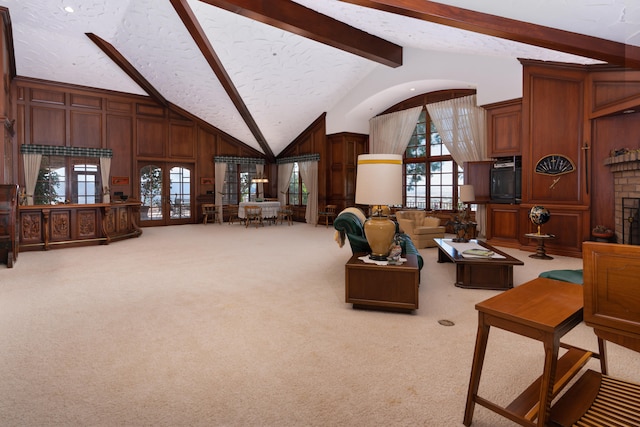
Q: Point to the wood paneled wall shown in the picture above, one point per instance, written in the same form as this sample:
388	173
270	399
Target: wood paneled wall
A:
134	127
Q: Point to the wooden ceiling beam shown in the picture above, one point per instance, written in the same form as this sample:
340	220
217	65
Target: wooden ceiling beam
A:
127	67
197	33
295	18
511	29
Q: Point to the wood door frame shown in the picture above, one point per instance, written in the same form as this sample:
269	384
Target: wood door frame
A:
166	166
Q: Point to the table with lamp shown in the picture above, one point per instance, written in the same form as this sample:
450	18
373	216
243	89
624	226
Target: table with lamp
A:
373	280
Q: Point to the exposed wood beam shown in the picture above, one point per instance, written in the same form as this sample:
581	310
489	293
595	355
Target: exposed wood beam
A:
197	33
127	67
295	18
510	29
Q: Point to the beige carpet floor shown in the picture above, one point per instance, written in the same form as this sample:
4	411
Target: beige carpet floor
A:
219	325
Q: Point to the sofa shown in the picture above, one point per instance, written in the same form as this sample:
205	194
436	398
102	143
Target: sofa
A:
420	227
349	226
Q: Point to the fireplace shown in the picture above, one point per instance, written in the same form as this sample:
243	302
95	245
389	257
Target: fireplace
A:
626	178
631	220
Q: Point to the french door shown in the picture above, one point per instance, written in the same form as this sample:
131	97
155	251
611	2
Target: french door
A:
166	191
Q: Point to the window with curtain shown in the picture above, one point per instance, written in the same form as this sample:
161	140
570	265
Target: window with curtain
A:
297	194
432	176
68	179
238	186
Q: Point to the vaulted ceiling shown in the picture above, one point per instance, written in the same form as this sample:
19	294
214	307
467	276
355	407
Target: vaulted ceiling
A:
262	71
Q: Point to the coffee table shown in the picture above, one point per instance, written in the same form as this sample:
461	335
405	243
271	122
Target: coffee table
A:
479	273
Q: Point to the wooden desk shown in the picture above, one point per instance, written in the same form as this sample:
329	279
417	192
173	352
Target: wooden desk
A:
544	310
479	273
382	286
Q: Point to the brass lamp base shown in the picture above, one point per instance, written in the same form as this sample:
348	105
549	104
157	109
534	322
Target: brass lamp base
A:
379	231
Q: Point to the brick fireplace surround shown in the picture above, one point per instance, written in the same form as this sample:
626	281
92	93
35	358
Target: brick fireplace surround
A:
626	177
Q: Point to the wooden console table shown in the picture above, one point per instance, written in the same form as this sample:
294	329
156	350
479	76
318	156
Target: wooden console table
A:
382	286
479	273
544	310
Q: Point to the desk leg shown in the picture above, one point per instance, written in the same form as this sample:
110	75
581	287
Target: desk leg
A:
551	346
476	368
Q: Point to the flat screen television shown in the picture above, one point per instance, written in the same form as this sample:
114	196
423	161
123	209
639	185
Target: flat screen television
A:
506	185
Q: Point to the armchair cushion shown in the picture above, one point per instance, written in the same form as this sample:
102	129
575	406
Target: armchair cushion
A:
420	227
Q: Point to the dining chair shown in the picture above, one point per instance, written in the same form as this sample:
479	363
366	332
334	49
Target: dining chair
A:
233	214
209	212
253	214
328	214
286	212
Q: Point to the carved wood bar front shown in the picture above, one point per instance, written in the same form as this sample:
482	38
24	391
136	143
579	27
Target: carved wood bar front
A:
45	227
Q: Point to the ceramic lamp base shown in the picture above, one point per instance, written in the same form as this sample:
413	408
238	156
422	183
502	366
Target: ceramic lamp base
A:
379	231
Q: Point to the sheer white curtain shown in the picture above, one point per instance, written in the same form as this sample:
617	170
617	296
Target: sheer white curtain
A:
105	170
390	133
462	127
220	173
31	162
284	177
309	175
259	185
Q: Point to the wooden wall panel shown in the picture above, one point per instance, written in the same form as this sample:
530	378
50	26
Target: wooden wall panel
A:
151	137
86	129
204	164
48	126
47	96
557	102
182	140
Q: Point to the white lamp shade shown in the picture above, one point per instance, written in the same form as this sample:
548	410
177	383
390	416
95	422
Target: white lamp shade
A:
467	194
379	179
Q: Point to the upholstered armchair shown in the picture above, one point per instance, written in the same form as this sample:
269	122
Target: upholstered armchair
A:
349	226
421	227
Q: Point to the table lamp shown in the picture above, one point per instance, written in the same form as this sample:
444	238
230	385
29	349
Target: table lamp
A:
379	184
467	196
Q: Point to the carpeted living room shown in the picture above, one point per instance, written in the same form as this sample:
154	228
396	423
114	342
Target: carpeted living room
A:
225	325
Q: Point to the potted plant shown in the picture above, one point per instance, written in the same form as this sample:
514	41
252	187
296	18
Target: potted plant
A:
602	232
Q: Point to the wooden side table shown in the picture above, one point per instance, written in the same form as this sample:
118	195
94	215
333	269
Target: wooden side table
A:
541	252
544	310
383	286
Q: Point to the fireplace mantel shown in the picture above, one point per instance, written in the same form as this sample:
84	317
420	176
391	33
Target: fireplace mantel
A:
624	162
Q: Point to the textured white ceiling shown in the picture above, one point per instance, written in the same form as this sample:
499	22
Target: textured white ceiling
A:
285	80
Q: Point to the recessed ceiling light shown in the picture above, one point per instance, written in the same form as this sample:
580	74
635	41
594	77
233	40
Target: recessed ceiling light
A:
68	9
412	89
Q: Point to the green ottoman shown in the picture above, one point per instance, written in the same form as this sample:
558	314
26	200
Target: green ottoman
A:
572	276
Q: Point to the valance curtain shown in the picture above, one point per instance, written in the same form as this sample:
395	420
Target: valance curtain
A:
391	133
461	125
105	171
31	162
284	178
309	175
220	173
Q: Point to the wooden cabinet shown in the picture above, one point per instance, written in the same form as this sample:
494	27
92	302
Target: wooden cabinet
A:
343	150
478	174
504	128
382	286
503	225
8	216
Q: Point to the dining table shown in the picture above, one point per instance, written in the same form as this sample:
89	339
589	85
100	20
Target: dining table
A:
269	209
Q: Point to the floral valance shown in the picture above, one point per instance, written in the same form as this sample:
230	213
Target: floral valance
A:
239	160
299	159
52	150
